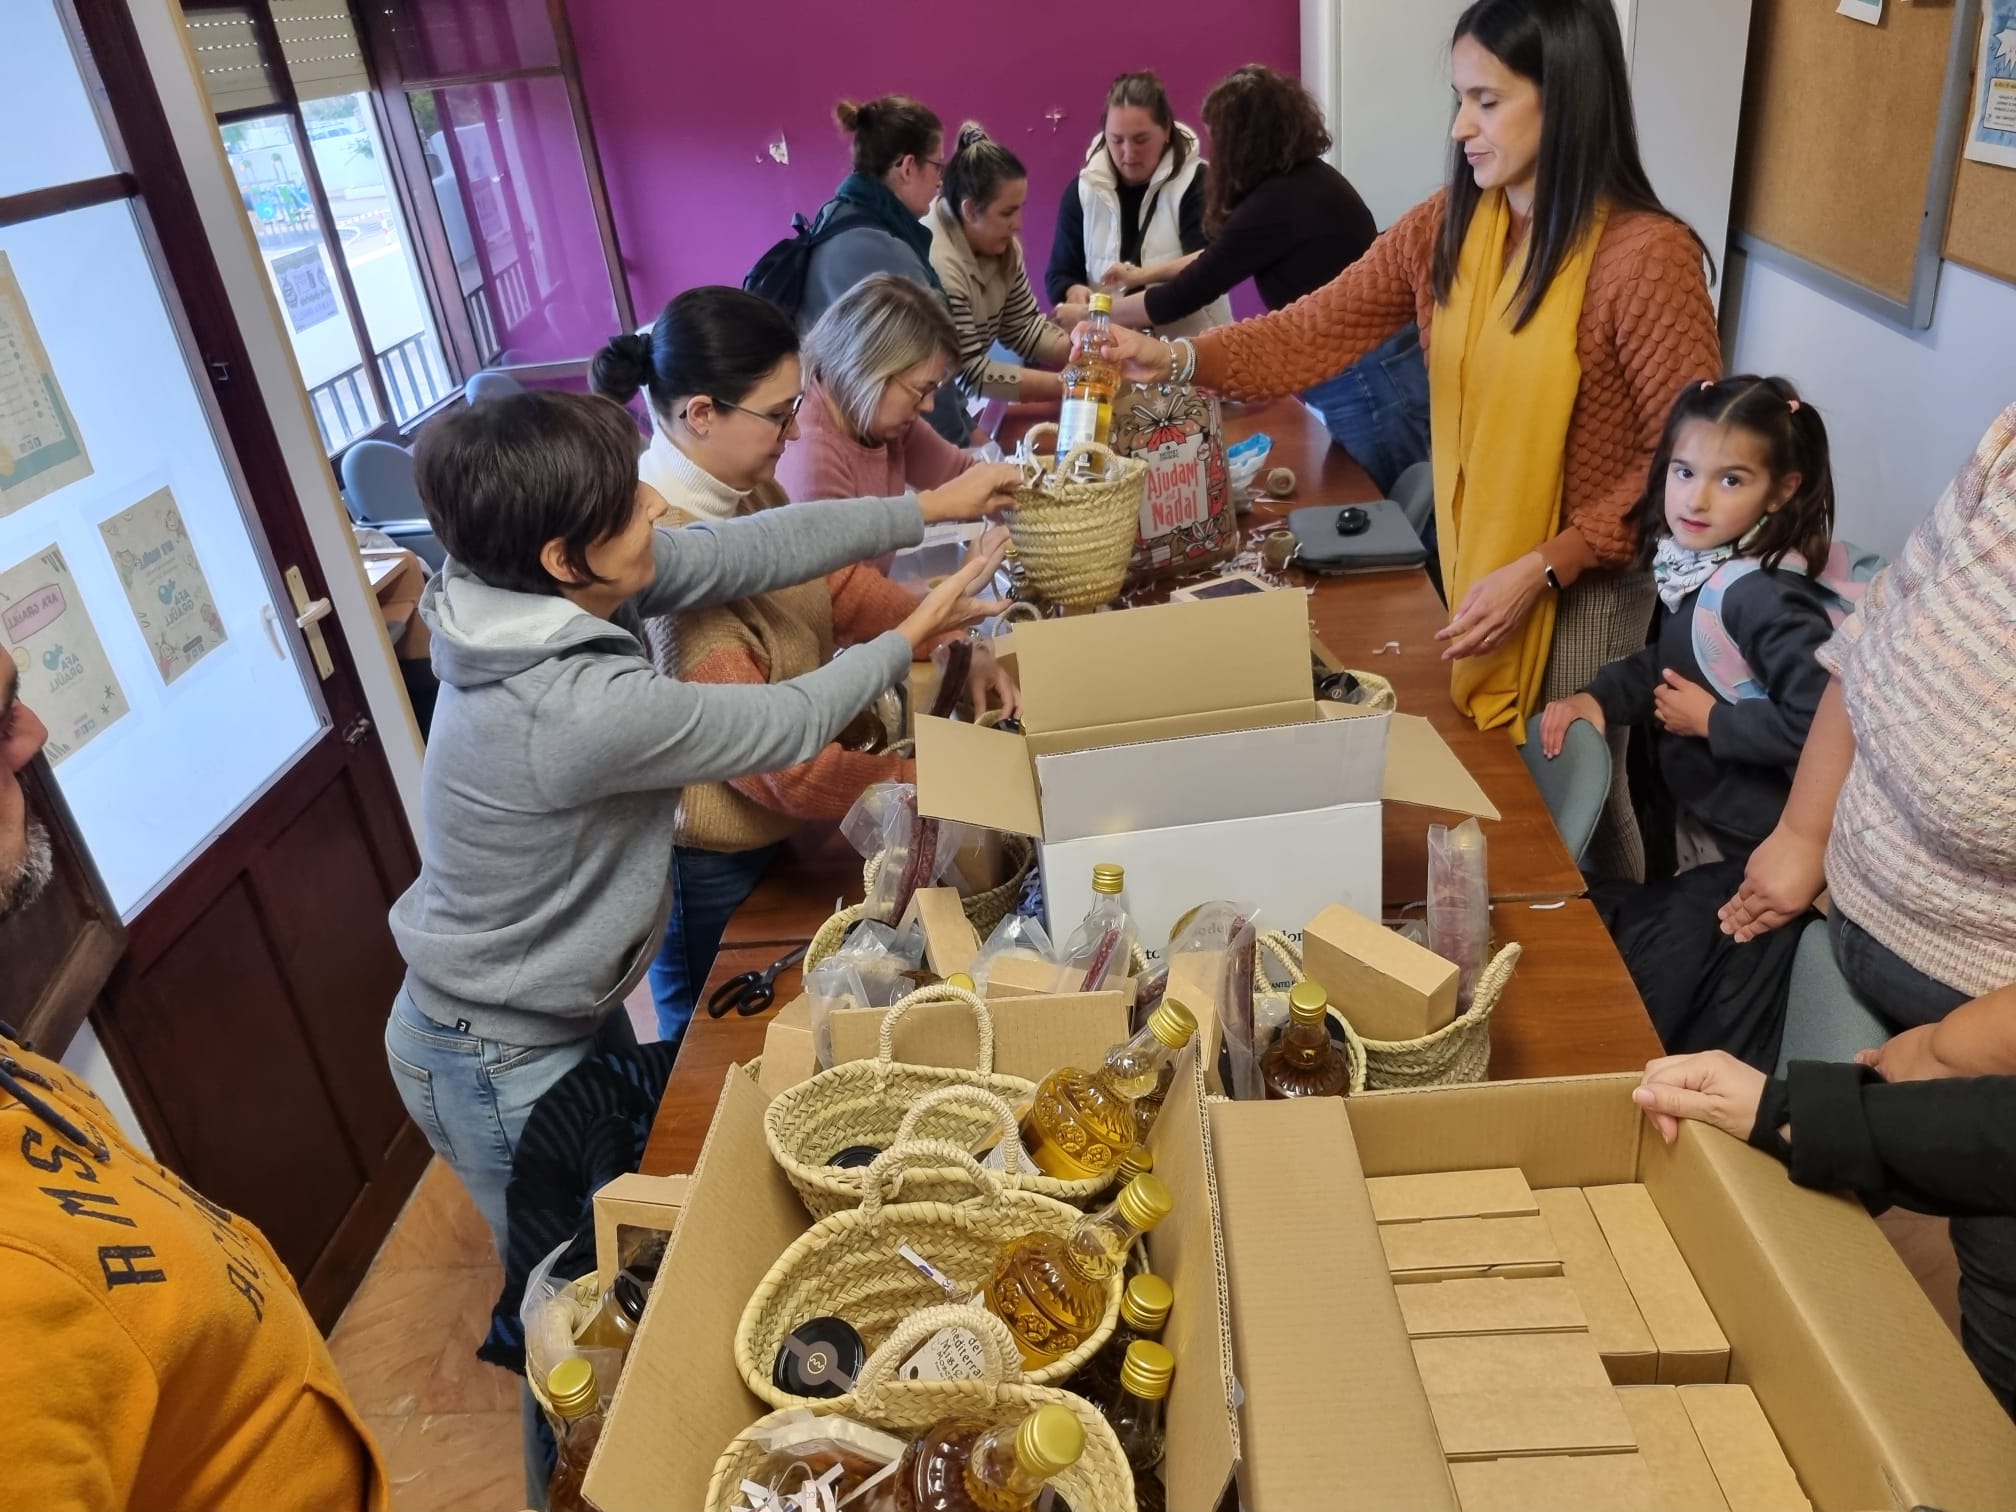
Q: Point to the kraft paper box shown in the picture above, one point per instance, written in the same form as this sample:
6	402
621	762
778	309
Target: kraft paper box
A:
1588	1266
1386	985
629	1203
1132	722
1684	1332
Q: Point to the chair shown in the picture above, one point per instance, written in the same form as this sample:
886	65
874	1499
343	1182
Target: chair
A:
379	491
490	384
1414	492
1824	1018
1575	784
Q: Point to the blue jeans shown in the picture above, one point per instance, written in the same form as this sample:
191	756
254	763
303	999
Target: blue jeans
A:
471	1096
1377	410
707	888
1985	1247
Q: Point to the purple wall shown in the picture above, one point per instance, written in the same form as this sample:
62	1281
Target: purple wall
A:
687	98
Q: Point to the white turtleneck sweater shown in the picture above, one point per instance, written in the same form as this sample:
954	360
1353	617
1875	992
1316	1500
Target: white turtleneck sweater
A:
686	485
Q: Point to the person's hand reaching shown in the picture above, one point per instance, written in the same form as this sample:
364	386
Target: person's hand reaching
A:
974	494
1562	713
1142	358
1712	1088
989	685
956	603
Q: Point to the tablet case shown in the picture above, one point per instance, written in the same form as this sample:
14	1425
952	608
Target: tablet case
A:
1388	542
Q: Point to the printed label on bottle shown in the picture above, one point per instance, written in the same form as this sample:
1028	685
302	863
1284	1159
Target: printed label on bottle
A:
951	1354
996	1159
1080	422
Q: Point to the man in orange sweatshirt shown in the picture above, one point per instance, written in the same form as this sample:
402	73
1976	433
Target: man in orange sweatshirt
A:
157	1354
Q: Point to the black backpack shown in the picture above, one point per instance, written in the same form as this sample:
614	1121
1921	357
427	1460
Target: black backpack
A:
780	274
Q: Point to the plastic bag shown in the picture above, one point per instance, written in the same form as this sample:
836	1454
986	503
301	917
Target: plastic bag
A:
1018	936
550	1313
1187	520
875	967
1244	463
1459	902
1100	952
818	1464
916	851
1228	930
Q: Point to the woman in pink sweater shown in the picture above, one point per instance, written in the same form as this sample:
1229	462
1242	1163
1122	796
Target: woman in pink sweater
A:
872	365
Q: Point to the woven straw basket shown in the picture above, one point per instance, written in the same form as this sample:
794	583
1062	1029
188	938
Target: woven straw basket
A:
846	1266
983	909
1101	1479
1074	537
1460	1051
874	1102
1376	692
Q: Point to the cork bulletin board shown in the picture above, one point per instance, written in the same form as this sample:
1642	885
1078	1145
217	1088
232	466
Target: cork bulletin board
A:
1981	230
1851	136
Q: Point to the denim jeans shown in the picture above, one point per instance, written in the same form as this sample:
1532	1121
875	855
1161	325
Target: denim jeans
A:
1985	1247
471	1096
1377	410
707	887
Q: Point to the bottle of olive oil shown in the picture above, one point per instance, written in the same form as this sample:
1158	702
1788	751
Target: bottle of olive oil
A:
1091	380
1081	1123
1050	1289
969	1464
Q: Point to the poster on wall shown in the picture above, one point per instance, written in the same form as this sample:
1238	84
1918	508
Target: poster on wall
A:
305	288
164	582
1991	129
40	450
66	677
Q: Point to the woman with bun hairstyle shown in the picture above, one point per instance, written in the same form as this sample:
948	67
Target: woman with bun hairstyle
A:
976	249
898	164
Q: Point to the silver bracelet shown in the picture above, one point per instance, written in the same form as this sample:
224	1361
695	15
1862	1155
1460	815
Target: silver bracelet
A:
1182	359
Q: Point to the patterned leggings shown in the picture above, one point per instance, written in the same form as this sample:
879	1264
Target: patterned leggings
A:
1605	616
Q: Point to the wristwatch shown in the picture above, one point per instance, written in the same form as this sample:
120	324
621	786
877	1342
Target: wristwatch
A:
1552	581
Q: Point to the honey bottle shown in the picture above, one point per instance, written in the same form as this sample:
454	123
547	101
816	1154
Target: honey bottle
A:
577	1412
969	1464
1091	380
1304	1061
1136	1416
1081	1123
1050	1289
1144	1313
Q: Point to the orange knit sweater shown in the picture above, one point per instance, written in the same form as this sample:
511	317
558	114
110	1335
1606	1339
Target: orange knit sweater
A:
1647	330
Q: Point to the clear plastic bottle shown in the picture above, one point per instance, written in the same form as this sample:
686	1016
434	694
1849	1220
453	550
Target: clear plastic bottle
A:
1136	1415
1304	1061
1082	1123
1091	381
1101	949
1050	1289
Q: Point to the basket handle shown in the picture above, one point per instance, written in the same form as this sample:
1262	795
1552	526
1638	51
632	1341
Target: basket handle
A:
942	992
976	1097
936	1153
1034	473
1001	1358
1284	951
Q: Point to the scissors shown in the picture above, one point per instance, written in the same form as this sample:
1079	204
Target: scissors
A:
753	991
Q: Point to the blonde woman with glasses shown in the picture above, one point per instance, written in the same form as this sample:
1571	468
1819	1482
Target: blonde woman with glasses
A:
873	365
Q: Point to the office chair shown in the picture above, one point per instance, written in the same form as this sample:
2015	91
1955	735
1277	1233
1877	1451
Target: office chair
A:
490	384
1824	1018
1574	784
378	490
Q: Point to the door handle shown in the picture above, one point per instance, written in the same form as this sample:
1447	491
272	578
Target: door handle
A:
314	610
309	613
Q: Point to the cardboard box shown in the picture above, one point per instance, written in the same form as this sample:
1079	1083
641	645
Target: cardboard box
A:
681	1399
1011	976
1749	1465
623	1207
1670	1449
1542	1304
1445	1249
1620	1333
1450	1194
1531	1420
1132	723
1508	1362
1386	985
1690	1344
1867	1392
949	941
1599	1482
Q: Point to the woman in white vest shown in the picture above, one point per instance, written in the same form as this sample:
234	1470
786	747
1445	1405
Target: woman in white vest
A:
1134	217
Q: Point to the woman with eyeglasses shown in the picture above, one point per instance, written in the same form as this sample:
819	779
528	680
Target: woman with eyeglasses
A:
721	373
873	365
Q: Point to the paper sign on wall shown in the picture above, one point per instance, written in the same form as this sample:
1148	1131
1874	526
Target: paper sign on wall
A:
164	582
1991	129
305	288
66	677
40	450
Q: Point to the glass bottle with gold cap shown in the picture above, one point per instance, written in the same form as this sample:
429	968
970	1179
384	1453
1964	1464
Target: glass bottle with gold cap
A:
1050	1289
1144	1313
1100	951
1304	1061
1082	1123
577	1406
971	1464
1136	1416
1091	381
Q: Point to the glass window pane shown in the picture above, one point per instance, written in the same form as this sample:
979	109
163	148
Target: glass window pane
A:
292	240
378	246
437	39
46	120
161	592
506	166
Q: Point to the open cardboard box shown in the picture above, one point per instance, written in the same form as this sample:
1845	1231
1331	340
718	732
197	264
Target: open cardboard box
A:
681	1399
1867	1392
1185	743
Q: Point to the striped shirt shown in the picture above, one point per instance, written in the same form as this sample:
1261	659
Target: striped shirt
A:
991	301
1923	849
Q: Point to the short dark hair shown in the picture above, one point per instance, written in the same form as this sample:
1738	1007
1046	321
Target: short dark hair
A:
1795	441
1574	52
1262	124
501	478
712	340
979	170
1143	90
888	130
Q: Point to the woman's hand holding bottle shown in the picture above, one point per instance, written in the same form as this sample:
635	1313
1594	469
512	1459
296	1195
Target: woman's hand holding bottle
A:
1142	358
